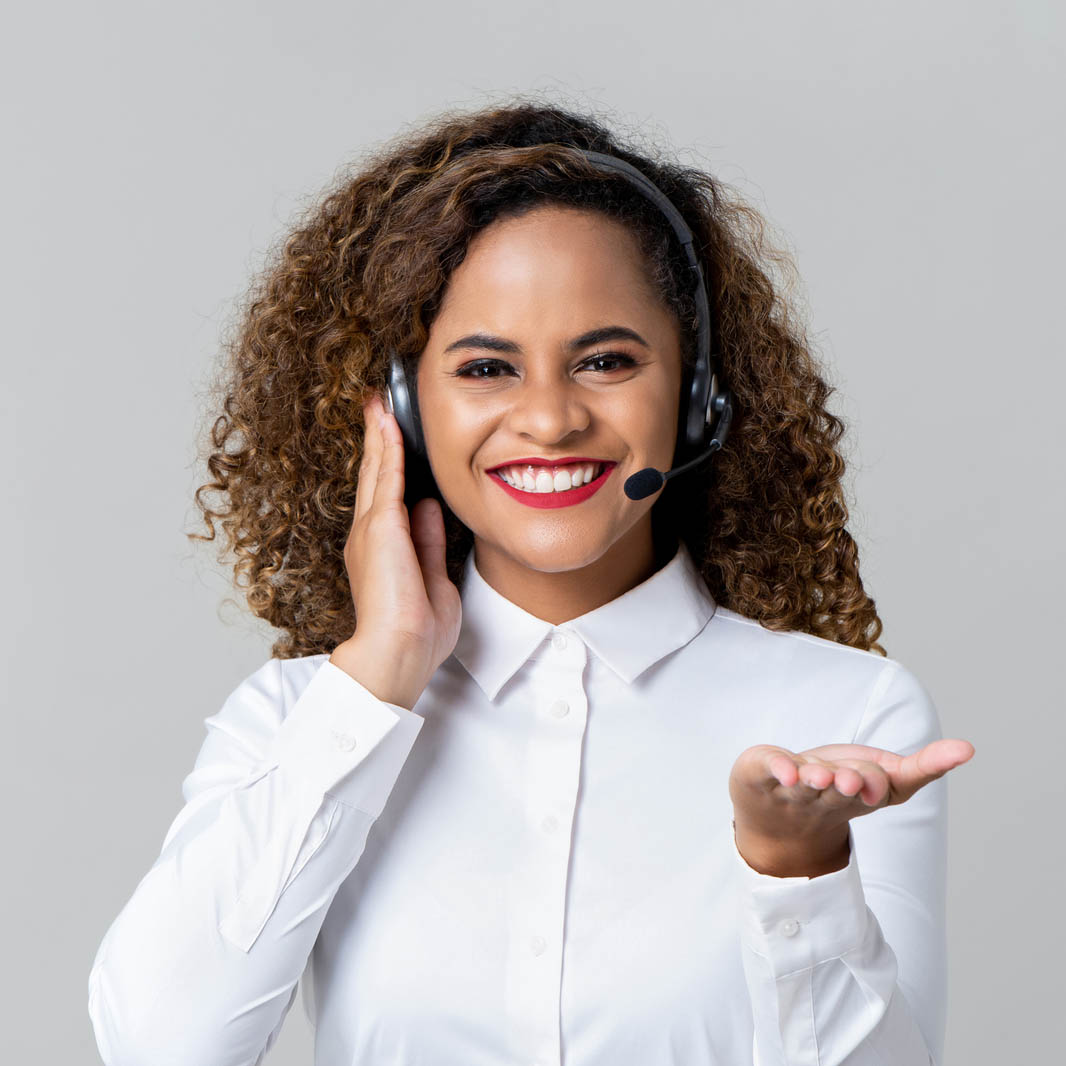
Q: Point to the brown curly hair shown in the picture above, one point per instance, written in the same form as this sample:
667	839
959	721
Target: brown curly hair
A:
362	275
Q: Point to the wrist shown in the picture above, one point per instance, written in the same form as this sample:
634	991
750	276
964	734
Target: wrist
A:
393	674
795	857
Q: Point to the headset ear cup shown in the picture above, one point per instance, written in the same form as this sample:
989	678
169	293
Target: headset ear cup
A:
416	422
403	403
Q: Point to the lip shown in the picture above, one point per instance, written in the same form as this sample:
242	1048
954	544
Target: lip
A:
555	499
536	460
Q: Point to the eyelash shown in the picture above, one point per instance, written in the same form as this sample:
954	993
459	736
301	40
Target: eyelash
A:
466	371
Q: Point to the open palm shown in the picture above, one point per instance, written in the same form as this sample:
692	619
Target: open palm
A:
782	794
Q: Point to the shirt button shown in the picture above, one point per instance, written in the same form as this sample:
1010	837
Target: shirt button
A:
560	708
345	741
550	824
790	927
559	641
538	945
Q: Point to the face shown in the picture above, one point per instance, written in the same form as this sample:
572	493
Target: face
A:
512	371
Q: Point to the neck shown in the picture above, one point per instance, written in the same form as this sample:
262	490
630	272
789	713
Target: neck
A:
559	596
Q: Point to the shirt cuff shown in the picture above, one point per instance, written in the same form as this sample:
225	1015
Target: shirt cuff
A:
336	725
796	923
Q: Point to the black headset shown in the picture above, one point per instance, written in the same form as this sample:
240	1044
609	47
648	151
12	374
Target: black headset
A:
705	416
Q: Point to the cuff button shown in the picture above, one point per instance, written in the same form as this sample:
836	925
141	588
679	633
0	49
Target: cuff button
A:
790	927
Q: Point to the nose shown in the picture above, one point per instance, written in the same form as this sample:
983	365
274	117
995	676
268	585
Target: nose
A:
546	411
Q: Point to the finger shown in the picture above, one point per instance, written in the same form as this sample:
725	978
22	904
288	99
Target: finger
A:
368	467
929	763
943	755
836	784
844	785
755	768
782	767
876	785
427	532
816	775
958	752
388	491
829	785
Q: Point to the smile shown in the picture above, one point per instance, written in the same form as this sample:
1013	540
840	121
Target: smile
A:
565	498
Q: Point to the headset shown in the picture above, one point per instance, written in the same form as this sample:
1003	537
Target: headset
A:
706	413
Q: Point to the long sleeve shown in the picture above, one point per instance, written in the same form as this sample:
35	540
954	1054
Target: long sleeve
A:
850	967
202	963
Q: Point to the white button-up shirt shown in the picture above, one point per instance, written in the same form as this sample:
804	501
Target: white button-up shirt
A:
536	865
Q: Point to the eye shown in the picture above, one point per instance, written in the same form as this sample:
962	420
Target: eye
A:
612	357
471	370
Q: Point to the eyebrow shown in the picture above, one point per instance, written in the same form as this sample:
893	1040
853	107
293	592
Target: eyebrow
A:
599	335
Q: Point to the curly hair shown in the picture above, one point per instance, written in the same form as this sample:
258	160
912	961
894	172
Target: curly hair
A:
362	275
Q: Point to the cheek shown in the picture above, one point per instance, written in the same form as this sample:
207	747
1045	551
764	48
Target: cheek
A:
452	436
649	420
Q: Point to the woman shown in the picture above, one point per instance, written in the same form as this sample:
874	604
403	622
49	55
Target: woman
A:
546	767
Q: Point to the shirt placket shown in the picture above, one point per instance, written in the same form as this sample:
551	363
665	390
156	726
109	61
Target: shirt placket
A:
553	771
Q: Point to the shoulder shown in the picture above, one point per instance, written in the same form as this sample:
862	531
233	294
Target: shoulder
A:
792	643
791	652
893	707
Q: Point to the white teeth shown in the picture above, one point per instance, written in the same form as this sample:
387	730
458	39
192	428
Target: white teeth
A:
541	479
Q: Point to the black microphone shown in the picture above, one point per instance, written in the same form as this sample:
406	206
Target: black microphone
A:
645	482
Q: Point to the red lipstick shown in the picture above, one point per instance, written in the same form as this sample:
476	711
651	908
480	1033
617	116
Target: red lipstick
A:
554	499
537	461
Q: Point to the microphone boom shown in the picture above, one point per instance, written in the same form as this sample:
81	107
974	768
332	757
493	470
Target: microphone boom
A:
645	482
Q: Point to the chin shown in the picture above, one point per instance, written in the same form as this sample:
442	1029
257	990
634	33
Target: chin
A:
552	559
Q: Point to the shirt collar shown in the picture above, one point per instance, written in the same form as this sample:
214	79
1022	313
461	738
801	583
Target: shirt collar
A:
630	633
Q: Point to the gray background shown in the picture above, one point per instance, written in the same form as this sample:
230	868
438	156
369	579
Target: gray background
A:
906	153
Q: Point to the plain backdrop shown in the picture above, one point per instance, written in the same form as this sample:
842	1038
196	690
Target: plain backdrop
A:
910	157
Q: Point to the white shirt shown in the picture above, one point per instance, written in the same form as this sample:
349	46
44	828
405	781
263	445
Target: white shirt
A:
536	866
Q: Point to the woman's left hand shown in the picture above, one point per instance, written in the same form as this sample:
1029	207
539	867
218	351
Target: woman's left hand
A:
791	810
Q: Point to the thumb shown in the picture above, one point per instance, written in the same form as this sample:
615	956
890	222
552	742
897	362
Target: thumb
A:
932	762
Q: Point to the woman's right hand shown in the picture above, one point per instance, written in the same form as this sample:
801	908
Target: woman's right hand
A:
408	611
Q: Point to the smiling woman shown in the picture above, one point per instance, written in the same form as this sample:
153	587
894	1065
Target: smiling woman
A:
370	271
672	803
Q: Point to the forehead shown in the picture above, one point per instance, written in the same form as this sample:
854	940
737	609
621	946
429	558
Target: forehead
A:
551	256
